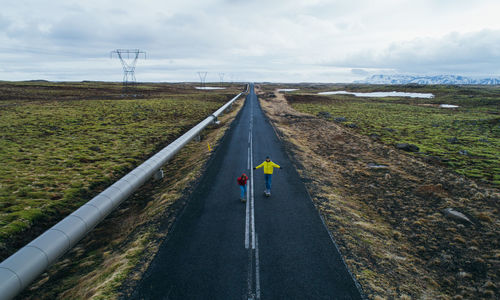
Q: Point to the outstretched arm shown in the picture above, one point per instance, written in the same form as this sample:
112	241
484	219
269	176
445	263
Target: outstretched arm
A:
259	166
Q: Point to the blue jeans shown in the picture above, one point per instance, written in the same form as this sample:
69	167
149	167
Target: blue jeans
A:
243	189
269	179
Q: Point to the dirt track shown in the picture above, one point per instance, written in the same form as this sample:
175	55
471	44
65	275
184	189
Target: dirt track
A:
390	221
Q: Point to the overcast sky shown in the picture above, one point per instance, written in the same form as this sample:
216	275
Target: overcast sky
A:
271	40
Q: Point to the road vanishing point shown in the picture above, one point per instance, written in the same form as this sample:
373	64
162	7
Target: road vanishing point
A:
267	248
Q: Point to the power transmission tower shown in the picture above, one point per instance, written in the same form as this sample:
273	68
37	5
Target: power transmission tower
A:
203	76
128	58
221	76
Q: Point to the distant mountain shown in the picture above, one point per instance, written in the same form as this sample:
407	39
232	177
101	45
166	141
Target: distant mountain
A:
439	79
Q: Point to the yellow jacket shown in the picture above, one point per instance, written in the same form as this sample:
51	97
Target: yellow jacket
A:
268	167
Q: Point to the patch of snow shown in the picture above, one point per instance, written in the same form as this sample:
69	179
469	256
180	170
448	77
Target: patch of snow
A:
287	90
448	106
439	79
381	94
209	88
377	166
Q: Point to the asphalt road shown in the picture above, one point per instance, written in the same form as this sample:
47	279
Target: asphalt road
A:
266	248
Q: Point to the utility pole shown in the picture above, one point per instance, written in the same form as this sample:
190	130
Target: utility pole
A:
128	58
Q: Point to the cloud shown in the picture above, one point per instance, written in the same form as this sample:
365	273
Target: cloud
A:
476	52
290	39
4	23
360	72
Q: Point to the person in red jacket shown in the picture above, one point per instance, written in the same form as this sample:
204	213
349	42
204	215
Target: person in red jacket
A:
242	182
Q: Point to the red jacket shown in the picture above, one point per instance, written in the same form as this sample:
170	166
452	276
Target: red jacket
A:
242	180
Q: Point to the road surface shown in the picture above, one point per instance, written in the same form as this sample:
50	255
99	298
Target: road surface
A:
266	248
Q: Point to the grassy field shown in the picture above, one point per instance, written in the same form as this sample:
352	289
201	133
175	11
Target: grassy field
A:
62	143
467	138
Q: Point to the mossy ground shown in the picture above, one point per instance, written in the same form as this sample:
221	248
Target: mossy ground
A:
111	259
466	138
61	143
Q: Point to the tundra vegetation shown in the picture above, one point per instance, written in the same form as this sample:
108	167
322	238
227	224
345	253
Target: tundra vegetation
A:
467	138
410	225
63	143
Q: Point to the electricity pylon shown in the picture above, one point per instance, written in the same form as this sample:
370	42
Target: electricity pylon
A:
221	77
128	58
203	76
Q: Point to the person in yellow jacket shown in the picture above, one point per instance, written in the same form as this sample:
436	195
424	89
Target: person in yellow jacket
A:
268	173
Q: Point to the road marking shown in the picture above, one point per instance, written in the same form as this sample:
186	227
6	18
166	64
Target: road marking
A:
252	206
257	268
247	218
248	157
255	242
253	271
250	275
247	224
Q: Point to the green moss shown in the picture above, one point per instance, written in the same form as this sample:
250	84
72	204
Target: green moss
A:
59	154
475	125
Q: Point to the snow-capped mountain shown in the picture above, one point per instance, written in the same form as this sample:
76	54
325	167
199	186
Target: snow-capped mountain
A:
439	79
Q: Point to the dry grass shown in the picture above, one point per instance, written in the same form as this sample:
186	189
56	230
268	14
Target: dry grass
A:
389	222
